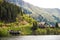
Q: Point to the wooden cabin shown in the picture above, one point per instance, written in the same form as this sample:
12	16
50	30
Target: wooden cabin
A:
41	25
12	32
58	24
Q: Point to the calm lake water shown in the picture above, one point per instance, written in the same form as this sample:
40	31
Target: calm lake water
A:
51	37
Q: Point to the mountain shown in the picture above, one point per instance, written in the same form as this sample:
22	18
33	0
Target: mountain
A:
49	15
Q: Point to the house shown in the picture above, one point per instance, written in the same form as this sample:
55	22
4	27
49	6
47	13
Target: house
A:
12	32
44	24
52	26
41	25
58	24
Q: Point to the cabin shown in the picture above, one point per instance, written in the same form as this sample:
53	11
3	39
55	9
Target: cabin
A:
52	26
58	24
41	25
12	32
44	24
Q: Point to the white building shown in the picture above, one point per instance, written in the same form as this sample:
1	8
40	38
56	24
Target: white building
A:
59	24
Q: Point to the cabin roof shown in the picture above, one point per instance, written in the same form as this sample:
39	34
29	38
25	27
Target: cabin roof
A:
42	23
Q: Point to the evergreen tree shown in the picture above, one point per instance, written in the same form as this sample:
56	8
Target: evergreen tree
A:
56	25
34	26
8	12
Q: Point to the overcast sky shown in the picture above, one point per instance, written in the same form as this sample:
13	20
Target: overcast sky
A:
45	3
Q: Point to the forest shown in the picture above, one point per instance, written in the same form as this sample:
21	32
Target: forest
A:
8	12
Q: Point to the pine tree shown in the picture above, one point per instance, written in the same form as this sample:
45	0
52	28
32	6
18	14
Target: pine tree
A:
8	12
34	26
56	25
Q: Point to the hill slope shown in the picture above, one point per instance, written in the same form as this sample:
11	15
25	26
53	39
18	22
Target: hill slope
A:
40	14
12	13
13	18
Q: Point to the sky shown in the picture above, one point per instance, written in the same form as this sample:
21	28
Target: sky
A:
45	3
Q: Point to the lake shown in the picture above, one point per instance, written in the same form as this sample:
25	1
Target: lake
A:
46	37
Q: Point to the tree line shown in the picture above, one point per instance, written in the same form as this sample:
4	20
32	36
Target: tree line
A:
9	11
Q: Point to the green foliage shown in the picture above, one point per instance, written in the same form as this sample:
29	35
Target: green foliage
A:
28	19
1	1
8	12
47	31
41	32
51	31
25	17
25	30
4	32
56	24
34	26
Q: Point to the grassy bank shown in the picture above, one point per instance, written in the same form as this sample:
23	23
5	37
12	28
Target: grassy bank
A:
26	30
48	31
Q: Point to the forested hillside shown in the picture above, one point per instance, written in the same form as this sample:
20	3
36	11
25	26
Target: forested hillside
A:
48	15
8	12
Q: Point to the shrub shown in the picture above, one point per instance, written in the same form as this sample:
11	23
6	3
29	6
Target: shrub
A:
41	32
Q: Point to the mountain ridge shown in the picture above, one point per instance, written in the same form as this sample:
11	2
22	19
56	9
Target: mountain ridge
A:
40	14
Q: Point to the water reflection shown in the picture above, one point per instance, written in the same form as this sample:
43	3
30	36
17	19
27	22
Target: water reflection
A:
54	37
